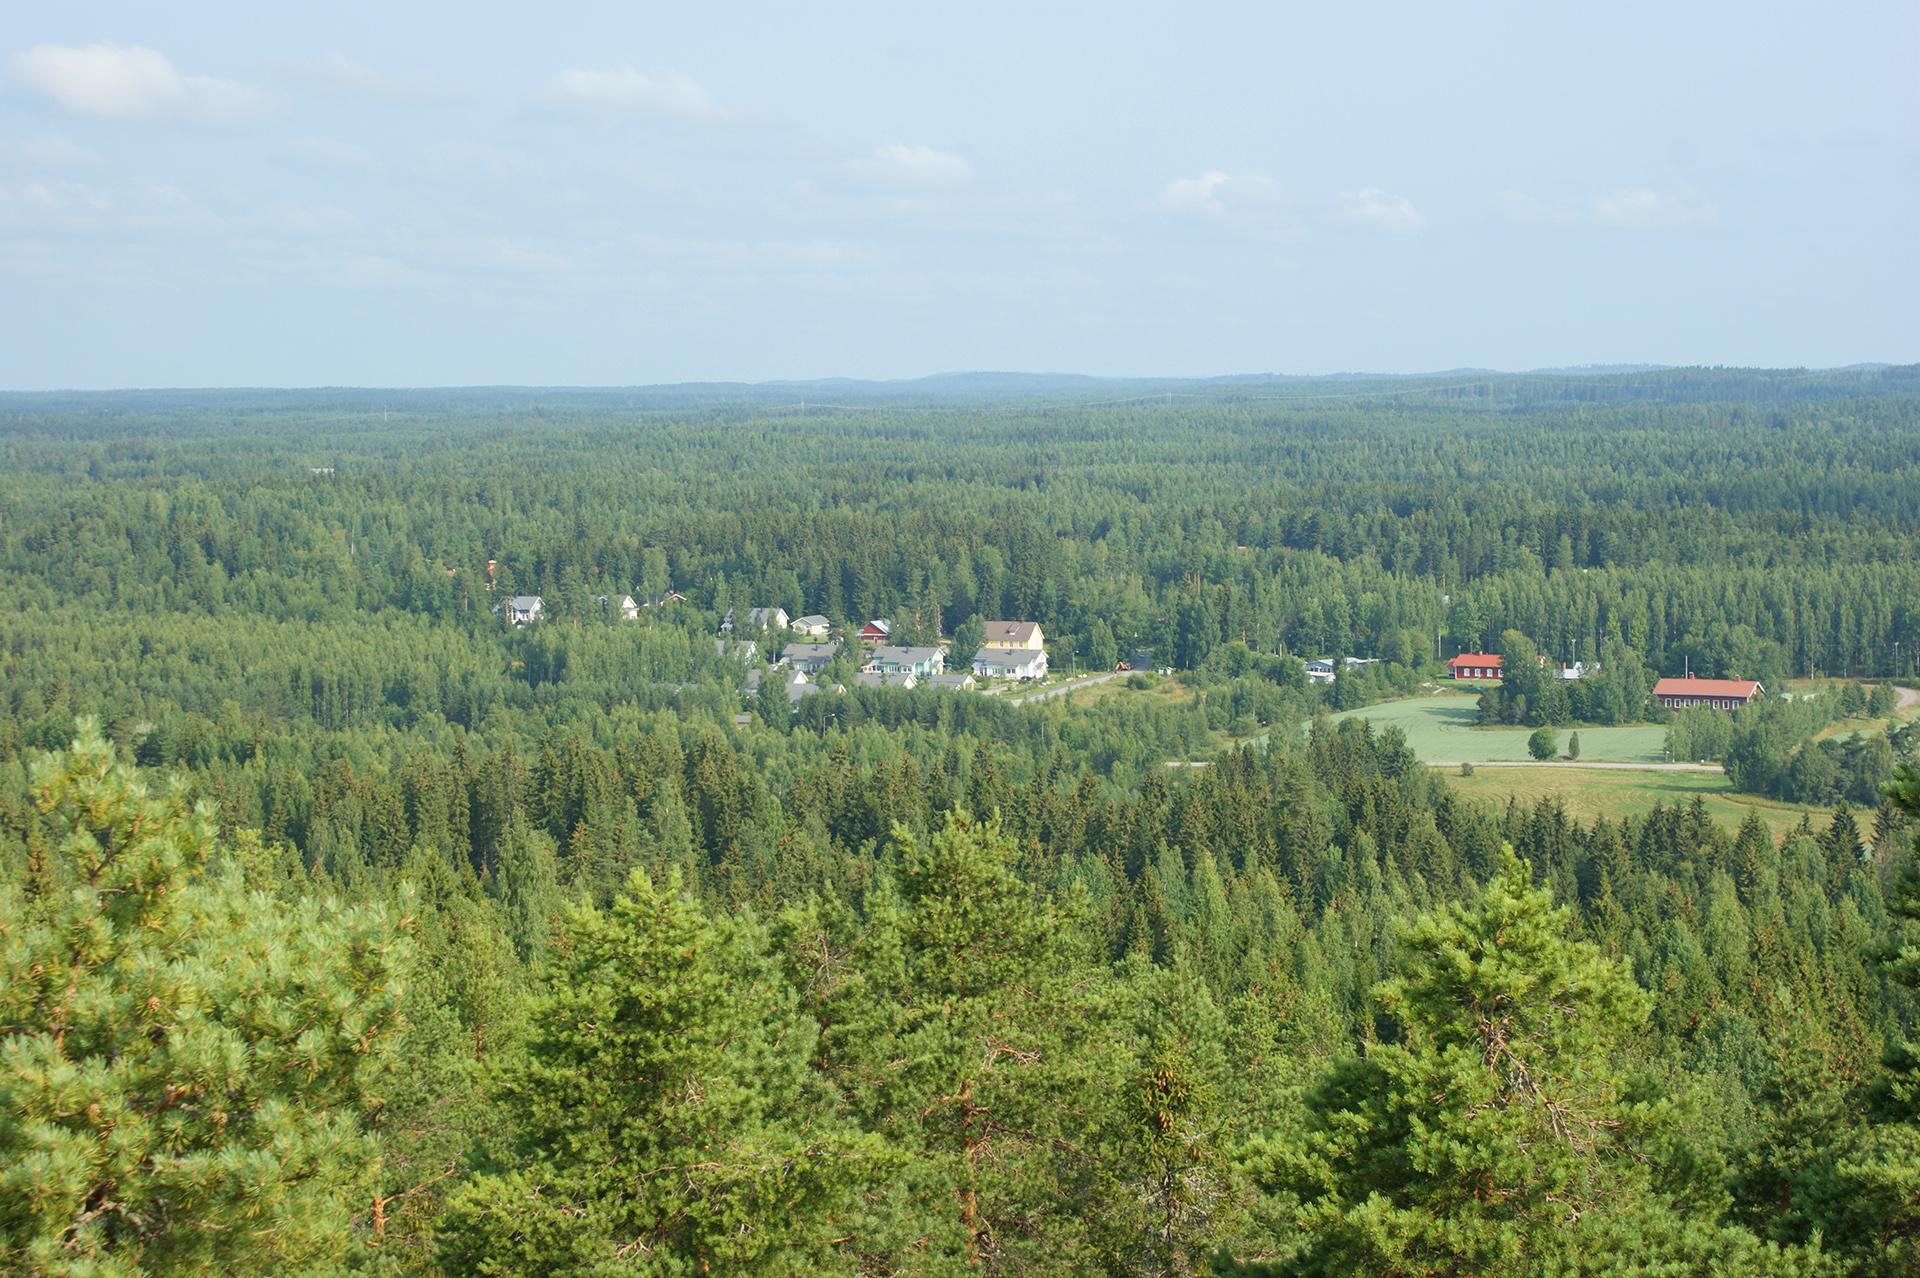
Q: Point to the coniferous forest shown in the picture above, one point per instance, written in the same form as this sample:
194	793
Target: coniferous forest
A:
347	927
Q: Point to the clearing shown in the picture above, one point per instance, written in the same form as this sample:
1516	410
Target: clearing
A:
1443	728
1614	793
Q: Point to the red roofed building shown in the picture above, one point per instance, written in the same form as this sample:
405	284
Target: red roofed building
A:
1475	665
1721	694
877	632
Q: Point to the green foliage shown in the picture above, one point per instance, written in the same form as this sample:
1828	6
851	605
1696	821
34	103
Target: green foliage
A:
664	1118
1494	1130
1543	743
185	1060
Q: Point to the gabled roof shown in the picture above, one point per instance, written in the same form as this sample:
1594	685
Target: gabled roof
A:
1477	659
809	651
905	656
811	619
1010	634
523	603
879	625
1008	658
1744	689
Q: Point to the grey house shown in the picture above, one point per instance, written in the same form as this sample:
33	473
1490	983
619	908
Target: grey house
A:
808	658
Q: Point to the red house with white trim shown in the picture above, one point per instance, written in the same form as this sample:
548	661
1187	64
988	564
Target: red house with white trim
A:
1721	694
879	631
1475	665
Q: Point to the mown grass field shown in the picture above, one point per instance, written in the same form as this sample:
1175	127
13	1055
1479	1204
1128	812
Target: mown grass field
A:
1589	793
1442	727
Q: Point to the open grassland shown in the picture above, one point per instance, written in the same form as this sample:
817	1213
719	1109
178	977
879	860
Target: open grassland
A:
1442	728
1589	793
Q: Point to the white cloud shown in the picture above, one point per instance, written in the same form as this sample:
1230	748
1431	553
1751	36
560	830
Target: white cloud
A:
912	166
656	93
1248	201
1373	207
1641	208
129	81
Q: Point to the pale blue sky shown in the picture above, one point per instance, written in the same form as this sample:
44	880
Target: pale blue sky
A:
243	194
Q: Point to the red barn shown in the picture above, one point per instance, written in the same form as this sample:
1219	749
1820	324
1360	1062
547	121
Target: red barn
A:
878	632
1721	694
1475	665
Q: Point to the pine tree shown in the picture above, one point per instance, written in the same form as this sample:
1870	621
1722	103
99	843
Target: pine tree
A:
184	1061
664	1119
1492	1130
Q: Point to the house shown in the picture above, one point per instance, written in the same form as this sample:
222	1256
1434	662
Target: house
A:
1579	670
661	601
886	679
808	658
920	662
877	631
745	651
1015	634
1721	694
956	682
757	619
1010	663
628	608
1353	663
811	626
798	688
1320	670
1475	665
523	610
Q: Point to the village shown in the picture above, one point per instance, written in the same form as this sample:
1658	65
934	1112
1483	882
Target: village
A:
802	649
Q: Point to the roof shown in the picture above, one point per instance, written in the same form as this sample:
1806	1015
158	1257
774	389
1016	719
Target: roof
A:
522	603
809	651
811	619
905	656
1744	689
1010	634
1477	659
1008	657
875	679
880	624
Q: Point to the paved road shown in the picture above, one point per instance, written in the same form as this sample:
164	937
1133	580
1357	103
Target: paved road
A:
1063	689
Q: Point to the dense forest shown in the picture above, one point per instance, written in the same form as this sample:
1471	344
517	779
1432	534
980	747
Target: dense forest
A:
345	927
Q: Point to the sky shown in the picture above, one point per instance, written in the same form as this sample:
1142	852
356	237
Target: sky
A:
472	193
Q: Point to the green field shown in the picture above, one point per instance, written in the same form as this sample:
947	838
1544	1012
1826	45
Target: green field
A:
1441	728
1589	793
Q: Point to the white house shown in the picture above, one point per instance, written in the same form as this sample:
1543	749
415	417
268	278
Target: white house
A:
1320	670
757	619
920	662
523	610
886	679
1010	663
811	626
628	608
956	681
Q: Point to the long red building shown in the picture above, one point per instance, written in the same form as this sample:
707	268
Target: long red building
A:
1475	665
1721	694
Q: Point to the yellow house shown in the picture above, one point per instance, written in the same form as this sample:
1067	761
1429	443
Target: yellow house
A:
1015	634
